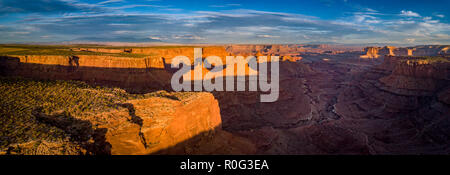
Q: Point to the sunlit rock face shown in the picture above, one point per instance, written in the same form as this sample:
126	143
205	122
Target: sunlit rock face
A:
428	50
387	50
164	126
371	52
137	75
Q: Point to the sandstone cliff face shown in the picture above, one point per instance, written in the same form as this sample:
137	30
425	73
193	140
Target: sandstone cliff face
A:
166	53
289	58
387	50
370	52
402	52
136	75
161	123
375	52
432	50
170	53
92	61
133	74
166	126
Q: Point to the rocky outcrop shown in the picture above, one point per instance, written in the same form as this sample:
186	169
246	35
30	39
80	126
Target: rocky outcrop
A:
265	49
429	50
375	52
92	61
413	75
403	51
387	50
289	58
159	125
371	52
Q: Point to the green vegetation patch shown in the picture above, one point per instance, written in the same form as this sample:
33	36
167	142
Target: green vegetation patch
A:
64	50
20	96
429	59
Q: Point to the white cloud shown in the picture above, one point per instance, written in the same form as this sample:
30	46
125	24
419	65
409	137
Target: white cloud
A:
373	21
109	1
187	37
155	37
226	5
20	33
268	36
134	6
410	40
119	24
370	10
440	16
409	13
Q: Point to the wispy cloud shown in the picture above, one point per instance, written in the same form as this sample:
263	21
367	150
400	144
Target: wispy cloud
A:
268	36
46	6
225	5
409	13
135	6
110	1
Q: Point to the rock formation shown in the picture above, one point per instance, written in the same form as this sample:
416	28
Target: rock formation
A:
415	75
166	126
371	52
387	50
428	50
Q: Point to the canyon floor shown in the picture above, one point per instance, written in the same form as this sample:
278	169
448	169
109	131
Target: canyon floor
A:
330	102
342	108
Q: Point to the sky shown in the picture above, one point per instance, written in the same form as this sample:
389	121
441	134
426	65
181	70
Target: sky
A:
408	22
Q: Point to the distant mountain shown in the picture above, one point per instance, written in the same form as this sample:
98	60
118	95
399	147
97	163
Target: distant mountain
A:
322	42
116	39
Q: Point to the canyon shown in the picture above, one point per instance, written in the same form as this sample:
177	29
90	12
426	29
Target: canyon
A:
332	100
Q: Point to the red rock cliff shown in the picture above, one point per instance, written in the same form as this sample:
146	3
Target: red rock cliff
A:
166	126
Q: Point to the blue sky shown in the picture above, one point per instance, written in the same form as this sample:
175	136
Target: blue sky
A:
408	22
